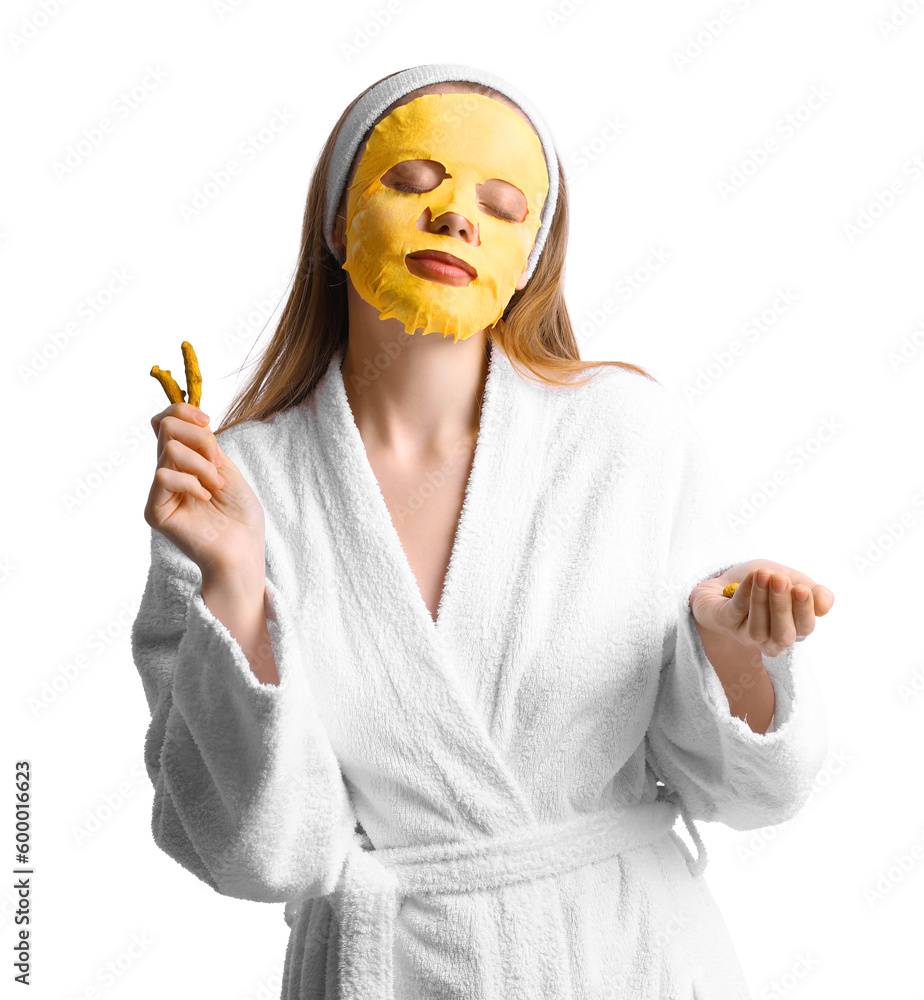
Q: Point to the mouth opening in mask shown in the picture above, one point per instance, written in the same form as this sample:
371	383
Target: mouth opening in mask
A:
437	265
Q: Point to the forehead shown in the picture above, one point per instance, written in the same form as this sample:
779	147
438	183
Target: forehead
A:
464	130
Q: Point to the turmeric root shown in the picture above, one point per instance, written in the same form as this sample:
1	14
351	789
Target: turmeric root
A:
729	591
193	378
174	393
193	375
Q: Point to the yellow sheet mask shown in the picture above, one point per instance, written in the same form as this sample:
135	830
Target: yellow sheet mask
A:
476	139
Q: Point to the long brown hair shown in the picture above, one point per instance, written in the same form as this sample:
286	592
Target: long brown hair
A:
534	332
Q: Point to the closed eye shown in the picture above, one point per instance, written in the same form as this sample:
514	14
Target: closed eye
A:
504	200
485	208
500	192
502	215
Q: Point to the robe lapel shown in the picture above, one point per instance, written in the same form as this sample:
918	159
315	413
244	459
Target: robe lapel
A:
435	698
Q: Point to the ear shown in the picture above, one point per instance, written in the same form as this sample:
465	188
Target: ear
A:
521	281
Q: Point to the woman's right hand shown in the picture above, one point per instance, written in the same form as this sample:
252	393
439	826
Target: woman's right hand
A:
220	526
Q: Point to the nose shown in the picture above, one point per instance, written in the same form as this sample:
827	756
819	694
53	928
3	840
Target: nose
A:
450	224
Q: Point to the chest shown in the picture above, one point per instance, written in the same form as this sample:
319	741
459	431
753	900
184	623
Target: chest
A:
548	581
542	669
424	499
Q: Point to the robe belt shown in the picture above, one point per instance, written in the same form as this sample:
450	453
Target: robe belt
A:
368	895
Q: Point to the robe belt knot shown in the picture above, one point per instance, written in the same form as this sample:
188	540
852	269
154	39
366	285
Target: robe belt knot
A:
373	882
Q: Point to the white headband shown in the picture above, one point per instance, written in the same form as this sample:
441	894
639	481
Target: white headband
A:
368	108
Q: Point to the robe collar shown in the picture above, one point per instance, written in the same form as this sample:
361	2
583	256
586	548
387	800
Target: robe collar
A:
392	584
440	680
430	669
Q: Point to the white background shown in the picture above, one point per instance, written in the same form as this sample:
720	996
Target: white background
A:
837	375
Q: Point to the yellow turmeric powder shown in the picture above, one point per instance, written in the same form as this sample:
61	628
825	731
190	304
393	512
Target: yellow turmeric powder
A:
729	591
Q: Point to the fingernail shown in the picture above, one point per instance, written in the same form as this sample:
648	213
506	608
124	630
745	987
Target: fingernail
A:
801	596
204	416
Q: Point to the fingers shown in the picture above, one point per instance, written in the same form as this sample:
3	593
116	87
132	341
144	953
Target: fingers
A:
193	435
178	455
740	601
823	599
188	412
181	469
759	609
168	482
775	619
803	612
782	626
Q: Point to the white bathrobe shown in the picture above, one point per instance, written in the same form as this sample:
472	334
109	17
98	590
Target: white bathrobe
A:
470	808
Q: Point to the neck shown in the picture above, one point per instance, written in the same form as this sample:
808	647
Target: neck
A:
410	394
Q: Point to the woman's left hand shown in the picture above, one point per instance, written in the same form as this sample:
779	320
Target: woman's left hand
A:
773	607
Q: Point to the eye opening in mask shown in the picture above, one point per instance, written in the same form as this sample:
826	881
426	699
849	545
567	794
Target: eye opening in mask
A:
496	196
505	200
417	175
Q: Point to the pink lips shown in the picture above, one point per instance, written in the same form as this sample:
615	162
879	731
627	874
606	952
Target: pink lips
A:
443	264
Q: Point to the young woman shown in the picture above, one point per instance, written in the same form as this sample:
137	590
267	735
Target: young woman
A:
434	636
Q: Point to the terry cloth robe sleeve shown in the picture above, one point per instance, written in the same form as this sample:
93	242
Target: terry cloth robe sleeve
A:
723	770
248	795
